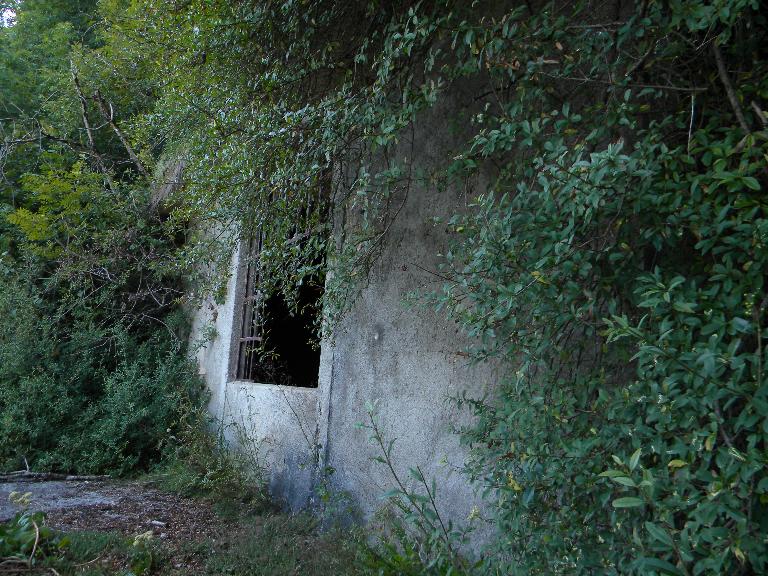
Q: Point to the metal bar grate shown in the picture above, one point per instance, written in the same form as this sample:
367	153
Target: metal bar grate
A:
251	308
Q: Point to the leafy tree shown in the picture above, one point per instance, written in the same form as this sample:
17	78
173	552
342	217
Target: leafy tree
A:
93	372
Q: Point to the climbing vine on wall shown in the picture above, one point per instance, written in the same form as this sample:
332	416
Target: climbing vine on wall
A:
614	260
617	267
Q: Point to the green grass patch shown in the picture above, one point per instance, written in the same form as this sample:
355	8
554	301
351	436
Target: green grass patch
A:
255	545
91	553
282	545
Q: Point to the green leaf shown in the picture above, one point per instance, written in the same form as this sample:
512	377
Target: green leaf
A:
659	533
751	182
628	502
661	565
624	481
634	459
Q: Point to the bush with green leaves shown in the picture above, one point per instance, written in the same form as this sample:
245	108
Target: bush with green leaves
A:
93	370
84	400
618	270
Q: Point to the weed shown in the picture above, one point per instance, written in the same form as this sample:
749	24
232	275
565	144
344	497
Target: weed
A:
95	554
199	463
251	545
282	545
335	508
416	539
25	539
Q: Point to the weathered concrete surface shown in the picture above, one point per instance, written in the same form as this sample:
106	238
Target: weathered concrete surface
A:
409	360
47	496
211	340
275	426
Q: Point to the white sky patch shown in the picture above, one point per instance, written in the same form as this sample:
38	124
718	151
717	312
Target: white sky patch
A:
7	17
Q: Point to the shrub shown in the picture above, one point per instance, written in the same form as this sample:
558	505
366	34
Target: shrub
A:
93	367
618	270
81	416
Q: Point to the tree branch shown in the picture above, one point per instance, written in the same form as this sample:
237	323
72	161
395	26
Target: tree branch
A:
109	116
732	98
83	104
84	113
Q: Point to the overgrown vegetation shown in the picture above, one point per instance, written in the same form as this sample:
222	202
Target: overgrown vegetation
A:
615	263
93	374
619	268
613	260
238	542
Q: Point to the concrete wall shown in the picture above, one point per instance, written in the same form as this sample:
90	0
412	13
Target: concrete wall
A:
410	363
277	425
407	359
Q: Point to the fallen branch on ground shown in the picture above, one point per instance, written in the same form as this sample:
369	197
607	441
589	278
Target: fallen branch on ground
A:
27	476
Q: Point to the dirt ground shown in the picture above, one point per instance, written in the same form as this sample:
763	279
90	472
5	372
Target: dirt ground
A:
130	508
190	536
126	507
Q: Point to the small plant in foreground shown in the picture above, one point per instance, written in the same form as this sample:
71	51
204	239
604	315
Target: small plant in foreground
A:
25	538
417	539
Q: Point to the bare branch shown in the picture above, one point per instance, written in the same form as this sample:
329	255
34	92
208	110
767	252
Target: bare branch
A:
88	129
760	114
108	112
83	104
732	98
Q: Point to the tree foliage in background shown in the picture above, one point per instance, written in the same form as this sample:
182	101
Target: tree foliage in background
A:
93	374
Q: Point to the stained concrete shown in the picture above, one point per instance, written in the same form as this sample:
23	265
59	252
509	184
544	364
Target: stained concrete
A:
408	360
405	358
276	425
